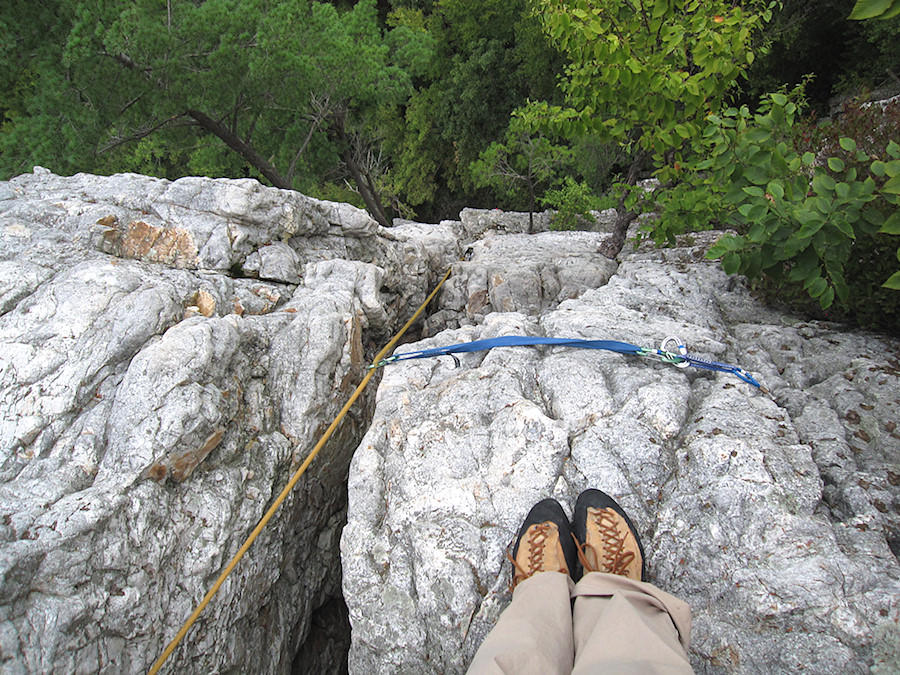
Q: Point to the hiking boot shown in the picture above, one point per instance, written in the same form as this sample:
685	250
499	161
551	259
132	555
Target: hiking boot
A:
606	539
544	543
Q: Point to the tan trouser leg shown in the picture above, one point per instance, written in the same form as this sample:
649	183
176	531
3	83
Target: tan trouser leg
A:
534	633
625	626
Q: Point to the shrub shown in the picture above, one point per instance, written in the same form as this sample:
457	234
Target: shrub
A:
573	202
812	219
814	205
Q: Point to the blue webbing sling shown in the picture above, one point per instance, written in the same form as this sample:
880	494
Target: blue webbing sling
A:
680	358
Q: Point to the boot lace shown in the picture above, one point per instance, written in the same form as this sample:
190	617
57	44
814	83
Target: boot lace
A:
536	543
615	560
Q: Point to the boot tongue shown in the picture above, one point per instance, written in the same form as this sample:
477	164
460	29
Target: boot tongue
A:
611	540
541	550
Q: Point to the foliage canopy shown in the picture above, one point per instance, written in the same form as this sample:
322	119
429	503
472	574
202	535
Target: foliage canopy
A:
276	88
436	104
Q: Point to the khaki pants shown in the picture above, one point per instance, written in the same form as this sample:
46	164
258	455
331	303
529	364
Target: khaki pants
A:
617	626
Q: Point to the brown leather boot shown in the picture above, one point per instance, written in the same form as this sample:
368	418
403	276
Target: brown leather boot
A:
544	543
606	538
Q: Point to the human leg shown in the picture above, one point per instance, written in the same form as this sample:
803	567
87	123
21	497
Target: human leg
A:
626	626
534	633
622	624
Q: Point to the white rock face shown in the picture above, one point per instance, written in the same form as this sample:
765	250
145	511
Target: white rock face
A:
776	518
157	390
520	273
170	351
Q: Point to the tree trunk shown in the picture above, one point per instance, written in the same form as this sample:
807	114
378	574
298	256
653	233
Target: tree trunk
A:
613	245
246	151
365	186
532	203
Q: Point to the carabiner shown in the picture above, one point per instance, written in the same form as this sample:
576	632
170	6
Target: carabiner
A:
669	357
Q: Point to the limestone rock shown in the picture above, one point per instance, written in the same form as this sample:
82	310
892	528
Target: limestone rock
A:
169	352
153	400
776	518
477	223
276	262
191	223
521	273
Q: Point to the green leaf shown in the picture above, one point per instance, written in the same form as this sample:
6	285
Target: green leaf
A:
758	212
791	247
835	164
817	287
842	190
869	9
878	168
810	228
776	189
735	194
823	184
893	282
813	276
732	243
892	186
827	298
731	262
715	251
875	217
892	168
778	164
893	149
754	191
892	224
757	233
848	144
757	174
758	135
806	263
844	227
841	287
808	158
744	209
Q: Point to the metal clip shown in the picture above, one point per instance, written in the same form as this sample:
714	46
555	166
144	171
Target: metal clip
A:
669	357
385	361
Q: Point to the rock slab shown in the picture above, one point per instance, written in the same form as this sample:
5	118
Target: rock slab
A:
776	517
169	352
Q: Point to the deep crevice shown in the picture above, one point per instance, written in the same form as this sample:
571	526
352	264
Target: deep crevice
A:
328	641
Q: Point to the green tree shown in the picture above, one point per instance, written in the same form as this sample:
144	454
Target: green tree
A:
573	202
645	74
490	58
44	117
815	38
808	202
522	163
287	89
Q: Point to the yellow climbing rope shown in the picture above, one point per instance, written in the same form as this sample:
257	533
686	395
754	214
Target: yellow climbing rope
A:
290	484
